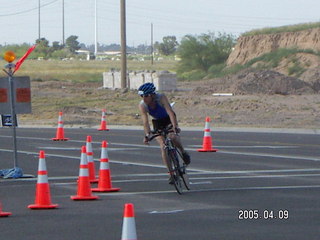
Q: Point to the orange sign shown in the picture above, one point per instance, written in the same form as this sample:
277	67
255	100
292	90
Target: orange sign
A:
23	95
3	95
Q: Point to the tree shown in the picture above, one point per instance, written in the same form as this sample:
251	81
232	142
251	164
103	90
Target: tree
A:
72	44
42	48
200	53
168	46
56	46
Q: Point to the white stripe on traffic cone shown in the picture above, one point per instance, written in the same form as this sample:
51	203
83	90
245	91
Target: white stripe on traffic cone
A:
91	167
43	198
207	139
84	188
104	184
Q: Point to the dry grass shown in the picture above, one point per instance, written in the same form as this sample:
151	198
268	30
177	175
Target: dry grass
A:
82	71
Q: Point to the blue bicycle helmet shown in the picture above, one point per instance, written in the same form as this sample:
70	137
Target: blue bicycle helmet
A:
146	88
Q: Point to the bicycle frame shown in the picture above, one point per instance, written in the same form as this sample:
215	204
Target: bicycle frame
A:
178	170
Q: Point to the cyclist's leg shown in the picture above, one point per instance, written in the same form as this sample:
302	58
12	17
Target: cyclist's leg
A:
164	156
177	142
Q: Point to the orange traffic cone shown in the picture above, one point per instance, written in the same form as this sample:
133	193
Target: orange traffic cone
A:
84	188
42	199
207	140
4	214
60	130
92	174
104	184
103	125
129	224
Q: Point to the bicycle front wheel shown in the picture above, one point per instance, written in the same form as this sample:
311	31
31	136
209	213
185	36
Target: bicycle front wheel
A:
185	177
183	172
175	172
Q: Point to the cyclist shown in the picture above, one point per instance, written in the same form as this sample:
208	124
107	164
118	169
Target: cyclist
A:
157	106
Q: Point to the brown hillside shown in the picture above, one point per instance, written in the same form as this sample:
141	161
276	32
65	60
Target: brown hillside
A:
249	47
279	79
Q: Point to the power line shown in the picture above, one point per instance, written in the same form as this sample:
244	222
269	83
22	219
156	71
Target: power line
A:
28	10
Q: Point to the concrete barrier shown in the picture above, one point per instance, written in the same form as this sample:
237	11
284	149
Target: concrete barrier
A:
163	80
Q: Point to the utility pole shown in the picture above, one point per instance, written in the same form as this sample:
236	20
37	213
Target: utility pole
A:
39	35
62	22
151	43
123	45
96	31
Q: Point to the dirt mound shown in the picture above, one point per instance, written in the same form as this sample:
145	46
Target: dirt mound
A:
312	76
251	81
268	82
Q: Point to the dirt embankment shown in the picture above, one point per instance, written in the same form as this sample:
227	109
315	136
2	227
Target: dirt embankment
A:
295	74
249	47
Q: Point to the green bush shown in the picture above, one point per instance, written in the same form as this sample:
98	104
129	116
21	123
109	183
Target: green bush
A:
216	70
296	69
192	75
199	53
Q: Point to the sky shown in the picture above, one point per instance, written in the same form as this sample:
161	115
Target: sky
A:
19	19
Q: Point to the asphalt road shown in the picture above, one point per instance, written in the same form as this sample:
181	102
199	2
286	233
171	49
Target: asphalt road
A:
257	186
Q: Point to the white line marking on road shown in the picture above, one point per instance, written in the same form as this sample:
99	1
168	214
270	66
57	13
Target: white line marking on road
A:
73	148
258	176
245	153
272	155
198	170
257	188
117	194
135	193
166	212
194	179
251	146
193	149
58	148
204	172
200	183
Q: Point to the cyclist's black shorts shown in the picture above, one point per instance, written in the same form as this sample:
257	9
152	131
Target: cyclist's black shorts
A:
161	123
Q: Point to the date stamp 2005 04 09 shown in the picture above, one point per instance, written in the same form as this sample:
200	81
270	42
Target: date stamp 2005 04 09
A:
254	214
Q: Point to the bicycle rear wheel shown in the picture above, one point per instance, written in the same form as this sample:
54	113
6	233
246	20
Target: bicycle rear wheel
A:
175	173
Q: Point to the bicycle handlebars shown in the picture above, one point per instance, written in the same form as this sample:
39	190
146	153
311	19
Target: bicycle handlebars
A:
160	132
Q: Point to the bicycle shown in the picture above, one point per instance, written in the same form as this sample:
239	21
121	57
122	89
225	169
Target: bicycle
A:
178	171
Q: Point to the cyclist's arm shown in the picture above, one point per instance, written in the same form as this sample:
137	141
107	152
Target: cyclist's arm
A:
145	120
172	115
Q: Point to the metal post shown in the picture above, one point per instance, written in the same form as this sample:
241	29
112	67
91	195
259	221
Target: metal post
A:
123	45
13	112
39	6
151	43
63	42
95	29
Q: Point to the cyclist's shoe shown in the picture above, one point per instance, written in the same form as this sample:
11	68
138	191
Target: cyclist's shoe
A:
186	158
171	180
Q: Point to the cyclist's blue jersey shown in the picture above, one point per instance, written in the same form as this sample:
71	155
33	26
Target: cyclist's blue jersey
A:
159	111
